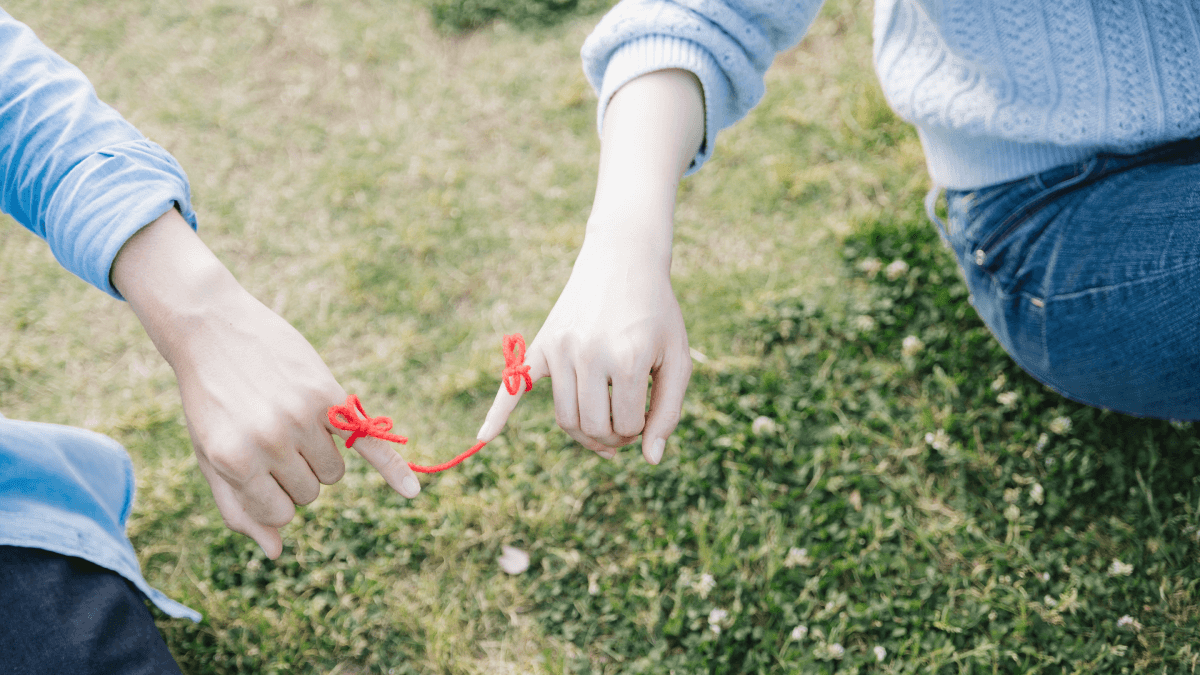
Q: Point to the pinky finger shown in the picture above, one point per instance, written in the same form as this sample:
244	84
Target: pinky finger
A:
504	403
237	519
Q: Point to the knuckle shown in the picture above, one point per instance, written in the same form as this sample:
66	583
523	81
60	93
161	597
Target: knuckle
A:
308	494
334	472
593	428
626	359
281	516
631	427
232	463
234	523
566	422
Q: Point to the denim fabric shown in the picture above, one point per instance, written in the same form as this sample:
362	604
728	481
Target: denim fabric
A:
1089	275
70	491
60	615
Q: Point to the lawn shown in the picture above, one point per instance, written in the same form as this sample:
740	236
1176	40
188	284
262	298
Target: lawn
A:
862	481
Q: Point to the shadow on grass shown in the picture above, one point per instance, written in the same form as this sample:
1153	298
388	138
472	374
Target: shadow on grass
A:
845	497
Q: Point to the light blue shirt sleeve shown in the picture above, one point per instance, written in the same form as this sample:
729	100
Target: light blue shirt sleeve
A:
82	178
727	44
74	171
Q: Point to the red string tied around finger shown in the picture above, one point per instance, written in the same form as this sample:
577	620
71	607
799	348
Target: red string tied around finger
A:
347	418
350	416
514	368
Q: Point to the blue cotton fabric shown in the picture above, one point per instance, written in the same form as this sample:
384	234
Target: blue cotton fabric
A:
78	175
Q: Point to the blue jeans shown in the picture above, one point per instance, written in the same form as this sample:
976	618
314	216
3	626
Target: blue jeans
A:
61	615
1089	276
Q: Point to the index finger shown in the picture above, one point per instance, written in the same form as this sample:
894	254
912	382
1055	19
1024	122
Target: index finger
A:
505	402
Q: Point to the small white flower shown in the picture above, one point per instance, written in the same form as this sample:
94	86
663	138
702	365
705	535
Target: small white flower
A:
593	584
880	653
855	500
1007	399
939	441
837	651
762	425
1129	622
1044	576
797	556
715	618
871	266
1049	601
999	382
1060	425
513	560
1012	512
1043	439
799	632
704	584
911	346
896	269
1037	494
1120	569
864	323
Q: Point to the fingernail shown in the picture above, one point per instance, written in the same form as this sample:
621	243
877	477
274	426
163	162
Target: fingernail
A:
608	454
656	450
479	436
410	487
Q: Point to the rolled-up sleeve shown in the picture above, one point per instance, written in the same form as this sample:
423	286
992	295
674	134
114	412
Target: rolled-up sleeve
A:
728	46
74	171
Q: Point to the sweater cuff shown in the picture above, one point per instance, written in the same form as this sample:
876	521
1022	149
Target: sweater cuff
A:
105	199
659	52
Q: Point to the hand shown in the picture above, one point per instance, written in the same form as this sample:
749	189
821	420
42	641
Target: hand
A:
616	323
255	393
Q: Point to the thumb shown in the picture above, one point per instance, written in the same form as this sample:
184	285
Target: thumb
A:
670	382
505	402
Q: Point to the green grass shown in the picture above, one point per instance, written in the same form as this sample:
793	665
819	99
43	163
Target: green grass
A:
405	196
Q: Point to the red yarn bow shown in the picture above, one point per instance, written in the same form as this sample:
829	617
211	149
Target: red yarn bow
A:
347	416
513	368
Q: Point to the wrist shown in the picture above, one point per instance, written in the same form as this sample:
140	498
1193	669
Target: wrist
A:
176	286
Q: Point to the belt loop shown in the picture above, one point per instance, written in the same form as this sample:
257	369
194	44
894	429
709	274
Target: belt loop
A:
931	198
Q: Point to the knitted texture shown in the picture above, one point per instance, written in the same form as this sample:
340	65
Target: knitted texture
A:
998	89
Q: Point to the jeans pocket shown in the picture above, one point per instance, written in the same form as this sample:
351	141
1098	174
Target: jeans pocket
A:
1054	184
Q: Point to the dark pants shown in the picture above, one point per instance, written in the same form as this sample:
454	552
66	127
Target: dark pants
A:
60	615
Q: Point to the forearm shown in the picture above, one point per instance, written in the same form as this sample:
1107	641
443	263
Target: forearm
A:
175	285
652	130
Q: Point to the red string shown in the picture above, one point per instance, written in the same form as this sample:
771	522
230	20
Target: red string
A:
513	368
347	416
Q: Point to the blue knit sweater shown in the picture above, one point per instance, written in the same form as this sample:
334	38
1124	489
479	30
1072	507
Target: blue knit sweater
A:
998	89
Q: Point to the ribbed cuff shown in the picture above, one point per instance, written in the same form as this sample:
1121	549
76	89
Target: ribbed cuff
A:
660	52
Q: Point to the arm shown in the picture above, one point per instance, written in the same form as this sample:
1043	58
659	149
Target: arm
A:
617	319
254	391
115	209
669	77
